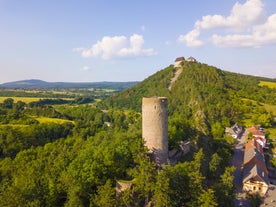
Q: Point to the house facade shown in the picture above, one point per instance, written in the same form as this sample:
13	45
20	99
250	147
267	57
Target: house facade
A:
255	180
234	131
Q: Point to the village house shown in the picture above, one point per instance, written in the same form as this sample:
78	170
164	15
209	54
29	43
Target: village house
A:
178	61
261	141
253	144
254	157
255	180
257	132
255	174
234	131
191	59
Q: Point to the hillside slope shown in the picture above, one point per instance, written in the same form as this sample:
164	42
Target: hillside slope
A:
202	94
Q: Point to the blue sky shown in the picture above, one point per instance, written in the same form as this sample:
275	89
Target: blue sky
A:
101	40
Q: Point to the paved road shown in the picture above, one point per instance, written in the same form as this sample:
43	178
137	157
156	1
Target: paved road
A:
270	199
237	160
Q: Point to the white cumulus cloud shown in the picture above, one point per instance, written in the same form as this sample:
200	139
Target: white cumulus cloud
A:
191	38
263	34
85	68
118	46
242	17
245	26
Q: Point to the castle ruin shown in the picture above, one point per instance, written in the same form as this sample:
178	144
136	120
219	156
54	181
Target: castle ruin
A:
155	127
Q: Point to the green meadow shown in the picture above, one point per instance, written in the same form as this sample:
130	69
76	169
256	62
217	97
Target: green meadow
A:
28	99
268	84
54	120
24	99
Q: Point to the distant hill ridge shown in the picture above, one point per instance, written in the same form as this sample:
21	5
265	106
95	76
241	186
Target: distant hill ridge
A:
40	84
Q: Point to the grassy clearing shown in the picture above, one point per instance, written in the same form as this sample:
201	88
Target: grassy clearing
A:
13	125
267	107
55	120
24	99
271	133
28	99
270	108
268	84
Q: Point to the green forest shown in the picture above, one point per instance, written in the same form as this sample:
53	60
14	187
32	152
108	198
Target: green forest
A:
71	152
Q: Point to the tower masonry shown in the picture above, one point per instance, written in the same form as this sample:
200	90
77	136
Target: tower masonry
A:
155	127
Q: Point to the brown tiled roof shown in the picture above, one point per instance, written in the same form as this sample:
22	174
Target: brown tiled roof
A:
258	133
254	157
253	144
191	59
179	59
253	129
249	145
255	173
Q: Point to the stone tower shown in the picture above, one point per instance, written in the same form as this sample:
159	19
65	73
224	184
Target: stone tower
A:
155	127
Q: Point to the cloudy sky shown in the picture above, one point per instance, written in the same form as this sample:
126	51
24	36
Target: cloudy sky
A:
101	40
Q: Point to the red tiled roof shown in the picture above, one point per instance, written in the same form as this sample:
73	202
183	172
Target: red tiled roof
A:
258	133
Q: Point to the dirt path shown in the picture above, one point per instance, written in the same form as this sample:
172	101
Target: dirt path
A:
175	77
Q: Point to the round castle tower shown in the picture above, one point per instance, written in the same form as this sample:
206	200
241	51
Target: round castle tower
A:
155	127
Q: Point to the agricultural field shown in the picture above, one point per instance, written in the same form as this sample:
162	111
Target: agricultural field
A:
53	120
268	84
28	100
24	99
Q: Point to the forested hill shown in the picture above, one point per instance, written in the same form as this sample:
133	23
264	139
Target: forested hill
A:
39	84
203	94
75	154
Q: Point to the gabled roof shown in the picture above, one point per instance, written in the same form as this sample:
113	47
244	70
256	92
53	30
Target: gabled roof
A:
255	173
254	129
253	144
191	59
235	130
258	133
179	59
254	157
251	153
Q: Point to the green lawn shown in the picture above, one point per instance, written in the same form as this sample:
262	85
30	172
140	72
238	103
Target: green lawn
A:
267	107
55	120
268	84
24	99
14	125
270	108
28	99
